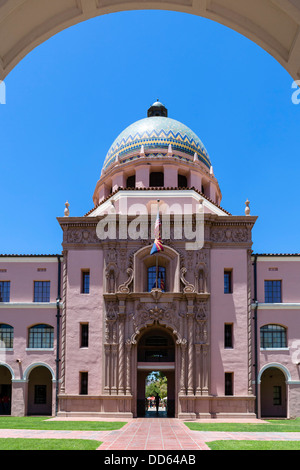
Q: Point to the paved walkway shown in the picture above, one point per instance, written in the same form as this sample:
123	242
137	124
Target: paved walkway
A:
152	434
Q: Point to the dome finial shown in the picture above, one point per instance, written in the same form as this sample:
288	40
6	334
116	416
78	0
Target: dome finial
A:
67	211
157	109
247	209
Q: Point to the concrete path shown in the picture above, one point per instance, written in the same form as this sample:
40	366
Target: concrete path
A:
151	434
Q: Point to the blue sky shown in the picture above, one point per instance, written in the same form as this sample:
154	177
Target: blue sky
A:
69	99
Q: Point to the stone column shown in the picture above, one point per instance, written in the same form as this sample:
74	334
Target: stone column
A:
107	368
19	397
113	371
121	365
142	175
205	369
128	367
190	384
183	368
198	369
63	323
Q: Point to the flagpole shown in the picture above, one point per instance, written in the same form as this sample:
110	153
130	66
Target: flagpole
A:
158	200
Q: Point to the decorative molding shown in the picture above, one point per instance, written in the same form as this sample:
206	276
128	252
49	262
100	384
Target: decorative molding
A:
189	288
279	306
230	234
82	236
124	288
155	315
35	305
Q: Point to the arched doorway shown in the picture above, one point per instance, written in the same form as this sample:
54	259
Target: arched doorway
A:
273	394
156	354
40	391
5	391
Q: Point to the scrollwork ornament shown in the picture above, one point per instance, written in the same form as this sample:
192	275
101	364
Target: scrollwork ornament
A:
124	288
188	287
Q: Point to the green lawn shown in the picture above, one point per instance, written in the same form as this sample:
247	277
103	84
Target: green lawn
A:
291	425
43	423
254	445
48	444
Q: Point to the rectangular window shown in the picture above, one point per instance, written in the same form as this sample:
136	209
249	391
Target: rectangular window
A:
85	282
228	335
83	383
40	394
84	335
4	291
227	281
228	383
41	291
276	395
273	292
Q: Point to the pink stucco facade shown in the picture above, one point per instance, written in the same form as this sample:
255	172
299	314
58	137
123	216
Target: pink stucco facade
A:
80	331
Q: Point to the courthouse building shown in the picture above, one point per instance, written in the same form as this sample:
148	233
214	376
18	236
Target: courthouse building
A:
81	330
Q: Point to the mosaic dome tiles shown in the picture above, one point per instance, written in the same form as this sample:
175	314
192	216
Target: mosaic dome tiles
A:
156	132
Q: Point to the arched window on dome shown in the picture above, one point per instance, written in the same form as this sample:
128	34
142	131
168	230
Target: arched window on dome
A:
156	179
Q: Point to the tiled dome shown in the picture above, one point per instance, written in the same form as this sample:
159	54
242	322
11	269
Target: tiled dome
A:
156	132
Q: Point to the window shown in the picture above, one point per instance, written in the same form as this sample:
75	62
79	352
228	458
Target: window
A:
156	346
41	291
228	335
273	336
156	179
228	383
84	335
182	181
40	394
227	281
41	336
161	278
6	336
4	291
276	395
85	282
83	383
130	182
273	292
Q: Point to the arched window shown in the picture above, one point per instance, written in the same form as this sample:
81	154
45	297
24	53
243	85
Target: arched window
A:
41	336
156	278
6	336
273	336
156	179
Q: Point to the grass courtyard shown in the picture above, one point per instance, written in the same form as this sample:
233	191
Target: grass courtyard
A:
44	423
275	425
